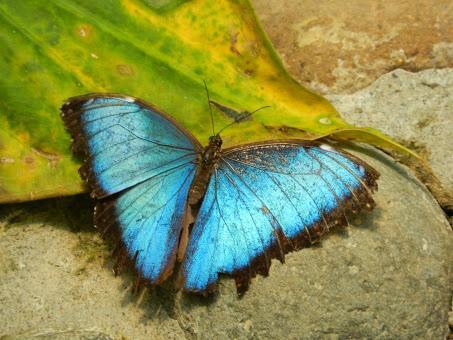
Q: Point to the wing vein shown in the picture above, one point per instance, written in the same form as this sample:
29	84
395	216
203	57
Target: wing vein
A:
240	192
254	193
165	204
140	172
350	171
326	166
112	220
229	230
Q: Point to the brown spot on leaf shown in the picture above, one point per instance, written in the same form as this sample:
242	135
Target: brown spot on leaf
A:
29	159
249	72
125	70
234	50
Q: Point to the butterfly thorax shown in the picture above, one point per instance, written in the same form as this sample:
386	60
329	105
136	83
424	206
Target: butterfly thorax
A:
211	153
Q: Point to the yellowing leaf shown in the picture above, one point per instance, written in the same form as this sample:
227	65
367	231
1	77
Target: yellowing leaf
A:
158	50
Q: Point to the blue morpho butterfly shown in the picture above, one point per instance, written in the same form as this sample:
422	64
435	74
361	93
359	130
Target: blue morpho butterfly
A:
250	203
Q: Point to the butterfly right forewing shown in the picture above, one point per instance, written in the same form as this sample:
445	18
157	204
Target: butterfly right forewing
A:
267	199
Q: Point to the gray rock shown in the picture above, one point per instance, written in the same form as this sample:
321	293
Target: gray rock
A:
56	281
387	276
413	108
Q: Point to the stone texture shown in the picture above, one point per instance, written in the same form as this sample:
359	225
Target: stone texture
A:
54	283
341	46
385	277
416	109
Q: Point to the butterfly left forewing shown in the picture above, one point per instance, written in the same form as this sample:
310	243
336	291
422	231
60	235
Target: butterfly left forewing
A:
123	141
139	165
265	200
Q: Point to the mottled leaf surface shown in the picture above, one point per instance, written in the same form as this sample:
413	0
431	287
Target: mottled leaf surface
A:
158	50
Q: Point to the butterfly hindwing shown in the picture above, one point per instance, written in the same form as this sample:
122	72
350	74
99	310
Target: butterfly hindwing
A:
139	165
265	200
147	220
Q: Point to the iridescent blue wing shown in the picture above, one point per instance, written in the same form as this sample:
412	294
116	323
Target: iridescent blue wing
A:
139	164
265	200
124	140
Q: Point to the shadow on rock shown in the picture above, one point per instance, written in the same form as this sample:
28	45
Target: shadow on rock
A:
74	213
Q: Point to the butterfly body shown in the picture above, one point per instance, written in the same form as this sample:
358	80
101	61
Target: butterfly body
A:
208	159
249	203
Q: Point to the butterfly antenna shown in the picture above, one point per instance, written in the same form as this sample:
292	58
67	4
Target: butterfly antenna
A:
210	108
242	117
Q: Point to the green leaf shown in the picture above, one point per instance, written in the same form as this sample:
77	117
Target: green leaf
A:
158	50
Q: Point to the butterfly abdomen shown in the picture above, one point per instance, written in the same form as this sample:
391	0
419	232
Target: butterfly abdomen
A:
199	185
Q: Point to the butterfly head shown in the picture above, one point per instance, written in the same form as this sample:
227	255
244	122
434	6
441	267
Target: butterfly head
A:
215	141
212	151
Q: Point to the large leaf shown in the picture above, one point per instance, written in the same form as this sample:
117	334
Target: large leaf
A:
158	50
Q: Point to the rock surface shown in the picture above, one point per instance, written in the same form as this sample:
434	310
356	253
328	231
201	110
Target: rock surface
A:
342	46
415	109
385	277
